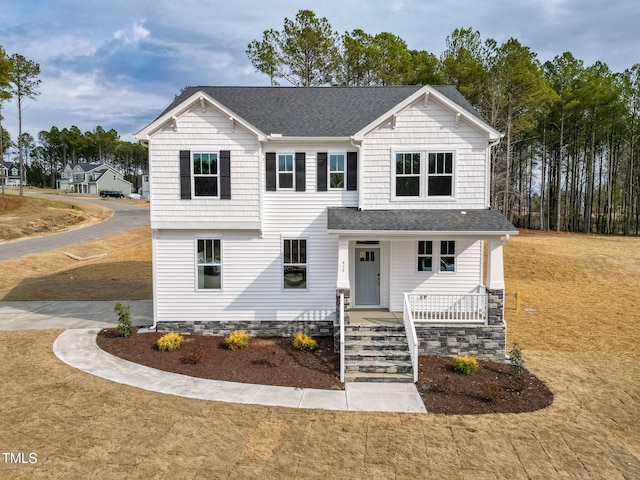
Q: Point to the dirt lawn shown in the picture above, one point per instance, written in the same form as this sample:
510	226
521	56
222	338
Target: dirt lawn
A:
579	333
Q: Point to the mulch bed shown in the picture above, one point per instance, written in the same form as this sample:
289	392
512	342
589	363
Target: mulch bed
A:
274	361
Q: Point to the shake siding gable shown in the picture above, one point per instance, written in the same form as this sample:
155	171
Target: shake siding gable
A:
423	129
206	131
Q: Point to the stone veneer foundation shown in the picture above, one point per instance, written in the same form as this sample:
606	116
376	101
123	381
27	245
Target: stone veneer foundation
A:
483	341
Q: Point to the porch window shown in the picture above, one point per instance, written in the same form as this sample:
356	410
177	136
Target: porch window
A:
407	174
294	252
447	256
425	256
285	171
205	174
209	260
336	171
440	174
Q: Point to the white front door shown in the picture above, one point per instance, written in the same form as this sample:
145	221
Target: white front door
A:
367	276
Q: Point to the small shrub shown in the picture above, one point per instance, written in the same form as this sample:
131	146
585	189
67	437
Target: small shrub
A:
193	356
441	387
517	362
270	359
303	341
125	328
518	383
169	342
492	391
237	339
466	365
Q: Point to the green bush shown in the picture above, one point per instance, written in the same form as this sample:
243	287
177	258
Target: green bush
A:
466	365
517	362
169	342
303	341
237	339
124	320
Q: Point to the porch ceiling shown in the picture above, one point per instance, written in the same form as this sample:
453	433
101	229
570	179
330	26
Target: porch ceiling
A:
347	220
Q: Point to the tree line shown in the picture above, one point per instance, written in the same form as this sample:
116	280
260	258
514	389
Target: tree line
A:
569	156
42	160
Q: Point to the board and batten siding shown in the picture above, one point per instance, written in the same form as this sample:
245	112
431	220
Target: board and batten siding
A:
204	132
405	277
420	128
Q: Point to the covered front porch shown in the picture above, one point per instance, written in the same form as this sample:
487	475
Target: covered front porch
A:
435	275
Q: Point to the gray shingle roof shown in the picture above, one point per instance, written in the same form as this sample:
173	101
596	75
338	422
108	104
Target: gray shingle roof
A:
314	111
484	220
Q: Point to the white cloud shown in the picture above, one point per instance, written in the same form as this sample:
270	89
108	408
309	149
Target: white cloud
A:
133	33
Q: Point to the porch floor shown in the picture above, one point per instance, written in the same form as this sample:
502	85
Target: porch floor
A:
378	316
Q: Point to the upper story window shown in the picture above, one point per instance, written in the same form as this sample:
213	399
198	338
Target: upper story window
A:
205	174
424	174
285	171
407	174
336	171
440	175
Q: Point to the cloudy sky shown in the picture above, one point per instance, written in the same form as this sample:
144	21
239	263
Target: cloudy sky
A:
119	63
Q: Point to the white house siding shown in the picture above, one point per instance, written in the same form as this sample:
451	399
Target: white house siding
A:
252	262
423	128
406	279
207	131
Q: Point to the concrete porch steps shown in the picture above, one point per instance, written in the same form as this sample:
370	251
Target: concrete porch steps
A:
377	353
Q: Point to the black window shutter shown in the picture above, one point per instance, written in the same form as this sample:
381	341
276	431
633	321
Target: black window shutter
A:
185	174
300	171
225	174
322	172
271	171
352	170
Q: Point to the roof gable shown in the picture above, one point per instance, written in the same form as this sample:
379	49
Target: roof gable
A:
314	111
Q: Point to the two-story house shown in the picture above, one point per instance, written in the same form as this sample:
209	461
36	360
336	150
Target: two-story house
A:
92	178
10	173
269	203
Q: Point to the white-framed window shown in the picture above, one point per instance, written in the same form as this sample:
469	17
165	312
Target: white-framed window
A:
285	171
337	171
425	256
205	174
440	174
209	264
408	174
424	174
447	256
294	256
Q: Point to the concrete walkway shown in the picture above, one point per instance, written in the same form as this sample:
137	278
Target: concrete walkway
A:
77	347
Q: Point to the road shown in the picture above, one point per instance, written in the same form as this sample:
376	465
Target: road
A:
125	217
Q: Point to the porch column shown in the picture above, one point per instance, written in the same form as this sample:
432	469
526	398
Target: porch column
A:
342	285
495	265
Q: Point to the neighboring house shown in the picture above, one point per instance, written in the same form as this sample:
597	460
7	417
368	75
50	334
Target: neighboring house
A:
11	173
268	203
92	178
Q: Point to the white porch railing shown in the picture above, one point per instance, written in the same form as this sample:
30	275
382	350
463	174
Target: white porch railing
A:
462	308
342	367
412	337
